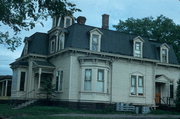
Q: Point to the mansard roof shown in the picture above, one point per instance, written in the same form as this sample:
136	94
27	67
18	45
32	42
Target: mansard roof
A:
78	36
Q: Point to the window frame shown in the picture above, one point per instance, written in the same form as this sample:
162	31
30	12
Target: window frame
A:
85	80
95	32
100	81
65	21
62	35
137	86
59	80
141	42
52	49
22	86
162	55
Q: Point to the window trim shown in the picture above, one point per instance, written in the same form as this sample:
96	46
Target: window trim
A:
164	47
52	50
141	41
137	84
59	43
102	81
65	20
99	34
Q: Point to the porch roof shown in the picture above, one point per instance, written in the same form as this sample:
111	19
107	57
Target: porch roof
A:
163	79
44	64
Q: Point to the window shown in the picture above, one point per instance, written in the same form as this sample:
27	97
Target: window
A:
138	49
100	81
164	55
52	48
26	48
95	42
61	41
59	80
137	85
88	79
171	91
22	81
68	22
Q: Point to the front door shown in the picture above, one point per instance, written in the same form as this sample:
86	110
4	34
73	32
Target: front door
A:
158	93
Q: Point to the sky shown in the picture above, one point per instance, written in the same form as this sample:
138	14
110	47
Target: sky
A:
93	10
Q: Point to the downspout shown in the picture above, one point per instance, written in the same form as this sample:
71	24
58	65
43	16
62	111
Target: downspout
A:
111	82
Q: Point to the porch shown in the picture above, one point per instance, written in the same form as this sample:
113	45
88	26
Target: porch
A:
164	91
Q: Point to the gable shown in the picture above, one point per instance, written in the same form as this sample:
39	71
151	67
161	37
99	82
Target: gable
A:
163	79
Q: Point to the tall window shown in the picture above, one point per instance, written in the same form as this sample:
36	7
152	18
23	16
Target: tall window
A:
52	48
164	55
137	85
59	80
171	91
61	41
22	81
95	42
68	22
100	81
88	79
138	49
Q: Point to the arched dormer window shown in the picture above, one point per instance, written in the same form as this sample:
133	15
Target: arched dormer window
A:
26	48
67	21
61	41
95	40
164	53
138	47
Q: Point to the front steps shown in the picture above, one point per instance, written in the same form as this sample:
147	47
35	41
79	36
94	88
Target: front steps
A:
25	104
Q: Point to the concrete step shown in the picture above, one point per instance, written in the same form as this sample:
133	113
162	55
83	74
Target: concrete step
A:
25	104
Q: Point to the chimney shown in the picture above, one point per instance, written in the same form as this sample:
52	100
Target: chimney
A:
105	21
81	20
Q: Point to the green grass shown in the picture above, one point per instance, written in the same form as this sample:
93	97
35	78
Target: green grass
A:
159	112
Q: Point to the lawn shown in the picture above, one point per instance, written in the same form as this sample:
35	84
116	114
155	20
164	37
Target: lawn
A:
43	112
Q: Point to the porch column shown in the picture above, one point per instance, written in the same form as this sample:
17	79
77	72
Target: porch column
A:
2	92
6	88
39	80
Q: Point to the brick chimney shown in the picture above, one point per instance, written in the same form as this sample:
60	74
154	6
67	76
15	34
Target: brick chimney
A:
105	21
81	20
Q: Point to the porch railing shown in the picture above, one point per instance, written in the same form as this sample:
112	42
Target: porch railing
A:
164	101
26	95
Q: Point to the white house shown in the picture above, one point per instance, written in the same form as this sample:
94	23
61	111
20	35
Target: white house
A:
96	65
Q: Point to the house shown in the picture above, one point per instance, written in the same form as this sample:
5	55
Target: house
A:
5	86
96	65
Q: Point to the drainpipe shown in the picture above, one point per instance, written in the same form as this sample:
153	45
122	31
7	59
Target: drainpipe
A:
111	81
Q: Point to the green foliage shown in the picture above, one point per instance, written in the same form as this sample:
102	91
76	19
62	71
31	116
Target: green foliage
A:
161	28
178	96
47	88
25	14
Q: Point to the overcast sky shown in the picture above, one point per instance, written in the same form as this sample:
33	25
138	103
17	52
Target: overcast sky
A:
93	10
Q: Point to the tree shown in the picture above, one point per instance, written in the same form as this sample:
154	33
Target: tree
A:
178	96
161	28
47	88
25	14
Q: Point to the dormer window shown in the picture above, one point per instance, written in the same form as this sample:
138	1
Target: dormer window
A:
61	41
164	53
138	47
26	48
67	21
95	40
52	47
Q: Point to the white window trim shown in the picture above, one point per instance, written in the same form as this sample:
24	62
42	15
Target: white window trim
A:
58	73
19	80
138	39
166	47
59	48
137	75
95	32
51	51
65	20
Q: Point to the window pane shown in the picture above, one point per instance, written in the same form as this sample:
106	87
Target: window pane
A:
140	85
57	82
100	75
100	86
140	81
61	80
133	91
138	46
95	39
22	81
133	81
68	22
87	80
140	90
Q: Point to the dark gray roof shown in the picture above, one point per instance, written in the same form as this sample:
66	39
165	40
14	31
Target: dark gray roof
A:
44	63
114	42
19	63
38	43
2	77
